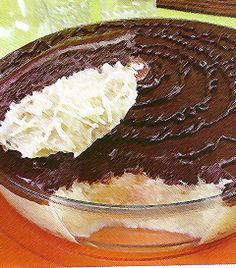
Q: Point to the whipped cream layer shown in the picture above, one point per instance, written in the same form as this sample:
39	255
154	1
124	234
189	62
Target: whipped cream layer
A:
205	221
138	189
72	113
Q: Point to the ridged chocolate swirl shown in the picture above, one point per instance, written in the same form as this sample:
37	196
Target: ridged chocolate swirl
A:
183	125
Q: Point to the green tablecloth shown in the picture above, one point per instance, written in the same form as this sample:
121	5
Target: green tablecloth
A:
22	21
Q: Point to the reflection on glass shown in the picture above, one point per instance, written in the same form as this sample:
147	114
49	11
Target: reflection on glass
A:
22	21
119	9
66	13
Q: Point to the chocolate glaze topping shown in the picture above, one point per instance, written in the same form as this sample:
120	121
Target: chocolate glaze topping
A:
183	125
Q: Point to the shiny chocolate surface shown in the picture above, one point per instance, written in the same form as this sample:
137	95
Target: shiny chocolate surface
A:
183	125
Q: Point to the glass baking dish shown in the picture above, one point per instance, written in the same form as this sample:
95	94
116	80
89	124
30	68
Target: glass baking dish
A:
167	227
163	227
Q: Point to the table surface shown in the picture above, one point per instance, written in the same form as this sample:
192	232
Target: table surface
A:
22	244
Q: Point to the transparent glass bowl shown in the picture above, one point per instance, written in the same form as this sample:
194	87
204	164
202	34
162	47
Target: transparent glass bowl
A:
119	227
139	228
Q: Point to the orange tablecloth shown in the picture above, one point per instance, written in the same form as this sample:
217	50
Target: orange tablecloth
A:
22	244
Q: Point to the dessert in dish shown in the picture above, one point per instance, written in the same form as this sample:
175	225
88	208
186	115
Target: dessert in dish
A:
174	150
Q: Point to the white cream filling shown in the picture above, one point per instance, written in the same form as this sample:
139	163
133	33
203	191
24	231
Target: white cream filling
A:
205	221
71	114
138	189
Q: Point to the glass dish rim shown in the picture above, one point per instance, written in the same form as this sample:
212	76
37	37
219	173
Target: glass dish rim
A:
89	206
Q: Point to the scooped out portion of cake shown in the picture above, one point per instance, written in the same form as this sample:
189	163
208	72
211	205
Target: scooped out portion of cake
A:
69	115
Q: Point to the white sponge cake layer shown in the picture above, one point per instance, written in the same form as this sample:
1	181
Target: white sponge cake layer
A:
204	220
